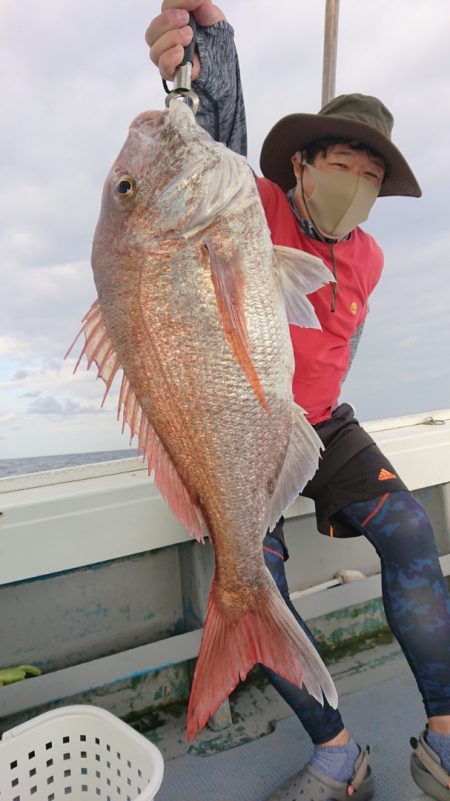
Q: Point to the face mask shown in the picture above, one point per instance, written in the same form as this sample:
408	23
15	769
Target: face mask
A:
340	201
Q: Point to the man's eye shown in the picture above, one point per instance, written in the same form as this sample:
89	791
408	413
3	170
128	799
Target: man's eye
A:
374	176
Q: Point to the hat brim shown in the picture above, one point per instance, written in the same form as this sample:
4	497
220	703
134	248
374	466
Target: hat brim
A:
297	131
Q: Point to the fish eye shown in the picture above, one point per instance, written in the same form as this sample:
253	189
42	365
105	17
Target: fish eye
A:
126	187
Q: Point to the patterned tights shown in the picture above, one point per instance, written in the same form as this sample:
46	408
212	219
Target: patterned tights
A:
415	597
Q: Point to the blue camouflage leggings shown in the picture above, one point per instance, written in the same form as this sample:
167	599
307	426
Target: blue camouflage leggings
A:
415	598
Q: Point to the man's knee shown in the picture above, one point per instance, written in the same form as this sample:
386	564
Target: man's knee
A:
403	524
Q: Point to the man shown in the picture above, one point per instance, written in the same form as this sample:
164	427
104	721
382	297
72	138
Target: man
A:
323	173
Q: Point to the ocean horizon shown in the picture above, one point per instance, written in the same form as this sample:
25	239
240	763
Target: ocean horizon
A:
38	464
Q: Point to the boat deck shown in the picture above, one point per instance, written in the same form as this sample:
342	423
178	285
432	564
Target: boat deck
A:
102	590
266	743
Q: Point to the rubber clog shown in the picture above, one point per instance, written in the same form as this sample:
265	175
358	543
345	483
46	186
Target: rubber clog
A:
427	771
311	785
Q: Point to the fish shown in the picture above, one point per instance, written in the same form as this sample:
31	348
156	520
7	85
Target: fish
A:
193	308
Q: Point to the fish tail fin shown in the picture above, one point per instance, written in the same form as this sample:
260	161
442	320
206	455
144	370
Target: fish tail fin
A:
268	634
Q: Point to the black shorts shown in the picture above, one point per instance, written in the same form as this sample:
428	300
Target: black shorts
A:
352	468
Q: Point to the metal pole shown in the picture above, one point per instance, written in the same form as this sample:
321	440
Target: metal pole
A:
330	50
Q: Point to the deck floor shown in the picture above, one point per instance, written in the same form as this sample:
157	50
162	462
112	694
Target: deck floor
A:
266	744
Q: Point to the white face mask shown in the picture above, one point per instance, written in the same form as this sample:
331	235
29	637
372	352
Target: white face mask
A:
340	201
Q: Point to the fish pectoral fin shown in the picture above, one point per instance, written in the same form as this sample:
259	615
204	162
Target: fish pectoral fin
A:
229	285
266	634
300	274
99	350
300	464
97	347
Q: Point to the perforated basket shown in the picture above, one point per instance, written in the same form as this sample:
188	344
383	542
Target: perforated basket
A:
78	753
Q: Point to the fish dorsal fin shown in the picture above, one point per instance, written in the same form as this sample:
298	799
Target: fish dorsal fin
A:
300	274
300	464
97	347
229	285
99	350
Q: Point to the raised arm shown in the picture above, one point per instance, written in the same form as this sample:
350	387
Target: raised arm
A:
215	73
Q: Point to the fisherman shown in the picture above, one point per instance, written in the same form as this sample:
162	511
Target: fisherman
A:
322	174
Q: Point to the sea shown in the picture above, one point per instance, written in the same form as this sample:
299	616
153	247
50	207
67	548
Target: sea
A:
37	464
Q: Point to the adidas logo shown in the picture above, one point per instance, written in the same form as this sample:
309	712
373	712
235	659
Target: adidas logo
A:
384	475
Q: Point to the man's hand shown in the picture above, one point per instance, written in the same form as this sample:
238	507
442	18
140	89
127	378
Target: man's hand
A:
169	33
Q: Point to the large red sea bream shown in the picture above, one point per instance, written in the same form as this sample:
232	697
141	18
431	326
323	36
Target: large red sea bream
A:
193	306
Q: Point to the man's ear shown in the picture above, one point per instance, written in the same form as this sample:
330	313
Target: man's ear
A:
297	164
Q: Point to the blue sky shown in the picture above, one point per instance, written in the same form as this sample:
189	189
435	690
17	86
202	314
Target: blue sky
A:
74	74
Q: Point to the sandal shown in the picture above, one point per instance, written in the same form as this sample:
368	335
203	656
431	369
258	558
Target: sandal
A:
427	771
311	785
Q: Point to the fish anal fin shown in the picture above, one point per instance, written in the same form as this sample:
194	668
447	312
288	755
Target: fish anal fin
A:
165	474
300	464
267	634
229	286
300	274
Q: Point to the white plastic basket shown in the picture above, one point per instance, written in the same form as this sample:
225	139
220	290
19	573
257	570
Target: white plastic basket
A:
78	753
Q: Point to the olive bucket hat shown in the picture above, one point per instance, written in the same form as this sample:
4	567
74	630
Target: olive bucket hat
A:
359	117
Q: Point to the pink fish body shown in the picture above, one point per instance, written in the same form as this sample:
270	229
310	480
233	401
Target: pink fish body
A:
193	305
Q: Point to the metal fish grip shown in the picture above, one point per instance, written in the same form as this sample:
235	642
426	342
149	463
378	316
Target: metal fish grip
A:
182	83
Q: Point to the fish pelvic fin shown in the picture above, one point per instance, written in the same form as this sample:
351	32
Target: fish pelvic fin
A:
300	274
229	285
300	464
267	634
99	351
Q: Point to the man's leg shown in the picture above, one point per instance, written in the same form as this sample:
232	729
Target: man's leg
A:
337	759
415	594
416	601
323	723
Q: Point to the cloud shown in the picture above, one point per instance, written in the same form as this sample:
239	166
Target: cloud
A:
6	418
409	342
20	375
8	346
52	406
43	319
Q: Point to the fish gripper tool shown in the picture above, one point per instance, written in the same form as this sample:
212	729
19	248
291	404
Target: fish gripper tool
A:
182	82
